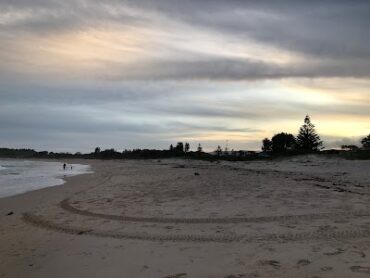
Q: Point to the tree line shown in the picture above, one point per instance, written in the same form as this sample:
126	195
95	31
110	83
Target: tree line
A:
180	150
307	140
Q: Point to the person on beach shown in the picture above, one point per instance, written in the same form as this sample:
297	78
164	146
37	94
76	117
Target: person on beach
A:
64	166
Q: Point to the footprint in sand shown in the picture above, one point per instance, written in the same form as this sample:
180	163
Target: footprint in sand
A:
236	276
275	264
326	268
360	269
337	252
362	254
303	262
179	275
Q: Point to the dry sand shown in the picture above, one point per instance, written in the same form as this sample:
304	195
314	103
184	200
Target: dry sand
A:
300	217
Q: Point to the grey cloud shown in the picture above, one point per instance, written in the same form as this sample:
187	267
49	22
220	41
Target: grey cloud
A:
333	29
72	119
236	69
31	121
332	35
62	119
181	126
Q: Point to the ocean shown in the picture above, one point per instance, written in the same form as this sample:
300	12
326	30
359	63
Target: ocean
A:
19	176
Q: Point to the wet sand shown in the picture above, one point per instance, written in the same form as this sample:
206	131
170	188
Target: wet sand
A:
306	216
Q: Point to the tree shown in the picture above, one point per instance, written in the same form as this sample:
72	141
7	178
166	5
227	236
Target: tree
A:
266	145
179	147
171	148
218	150
97	150
366	142
187	147
307	139
200	149
282	142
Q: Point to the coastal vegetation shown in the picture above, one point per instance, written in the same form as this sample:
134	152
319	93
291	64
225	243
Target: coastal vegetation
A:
281	144
307	141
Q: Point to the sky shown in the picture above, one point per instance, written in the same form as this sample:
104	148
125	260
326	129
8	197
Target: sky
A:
77	74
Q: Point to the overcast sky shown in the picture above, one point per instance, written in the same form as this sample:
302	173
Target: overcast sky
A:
78	74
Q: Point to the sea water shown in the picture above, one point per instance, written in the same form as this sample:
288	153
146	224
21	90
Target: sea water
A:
19	176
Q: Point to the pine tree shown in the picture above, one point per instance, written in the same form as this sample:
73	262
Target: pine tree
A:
179	147
219	150
308	140
187	147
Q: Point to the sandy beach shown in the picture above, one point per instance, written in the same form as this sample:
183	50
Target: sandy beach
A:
305	216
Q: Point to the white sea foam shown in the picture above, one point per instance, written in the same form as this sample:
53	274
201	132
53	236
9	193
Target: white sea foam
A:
19	176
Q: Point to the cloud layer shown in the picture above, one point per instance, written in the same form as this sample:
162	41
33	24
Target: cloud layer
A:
146	73
217	40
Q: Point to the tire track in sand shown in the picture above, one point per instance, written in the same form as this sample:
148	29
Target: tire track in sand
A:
282	237
65	204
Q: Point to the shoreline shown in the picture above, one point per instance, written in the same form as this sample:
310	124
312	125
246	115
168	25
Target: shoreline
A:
67	179
54	178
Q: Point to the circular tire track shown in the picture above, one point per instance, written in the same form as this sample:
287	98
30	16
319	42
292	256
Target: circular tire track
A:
39	221
65	204
346	234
